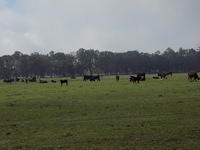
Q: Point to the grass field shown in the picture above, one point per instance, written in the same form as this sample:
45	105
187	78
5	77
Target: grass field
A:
106	115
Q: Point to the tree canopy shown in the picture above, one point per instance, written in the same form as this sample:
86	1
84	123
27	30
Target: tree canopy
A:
98	62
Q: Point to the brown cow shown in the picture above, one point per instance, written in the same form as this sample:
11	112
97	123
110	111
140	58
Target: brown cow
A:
142	76
193	76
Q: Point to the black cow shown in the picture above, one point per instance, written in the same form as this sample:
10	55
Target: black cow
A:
94	78
91	77
64	81
43	81
135	79
53	81
117	77
155	77
85	78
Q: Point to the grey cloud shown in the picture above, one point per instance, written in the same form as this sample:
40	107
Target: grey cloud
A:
67	25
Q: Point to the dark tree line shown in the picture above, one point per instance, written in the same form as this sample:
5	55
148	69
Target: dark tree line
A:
97	62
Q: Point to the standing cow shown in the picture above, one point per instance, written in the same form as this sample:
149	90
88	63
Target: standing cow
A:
64	82
163	75
193	76
142	76
135	79
117	77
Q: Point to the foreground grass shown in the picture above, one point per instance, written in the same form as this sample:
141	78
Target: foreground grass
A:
155	114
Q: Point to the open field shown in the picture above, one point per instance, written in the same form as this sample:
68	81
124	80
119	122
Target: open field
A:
106	115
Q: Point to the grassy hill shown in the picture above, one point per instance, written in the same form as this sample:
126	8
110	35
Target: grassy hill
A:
106	115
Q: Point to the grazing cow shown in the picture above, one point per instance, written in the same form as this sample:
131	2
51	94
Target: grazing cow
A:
117	77
64	81
53	81
91	78
134	79
163	75
43	81
193	75
155	77
142	76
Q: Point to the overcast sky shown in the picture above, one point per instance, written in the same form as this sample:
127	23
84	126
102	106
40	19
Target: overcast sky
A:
116	25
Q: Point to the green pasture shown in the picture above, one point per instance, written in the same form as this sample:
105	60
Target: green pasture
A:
106	115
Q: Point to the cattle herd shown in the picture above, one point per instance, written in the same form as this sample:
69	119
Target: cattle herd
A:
192	76
34	79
